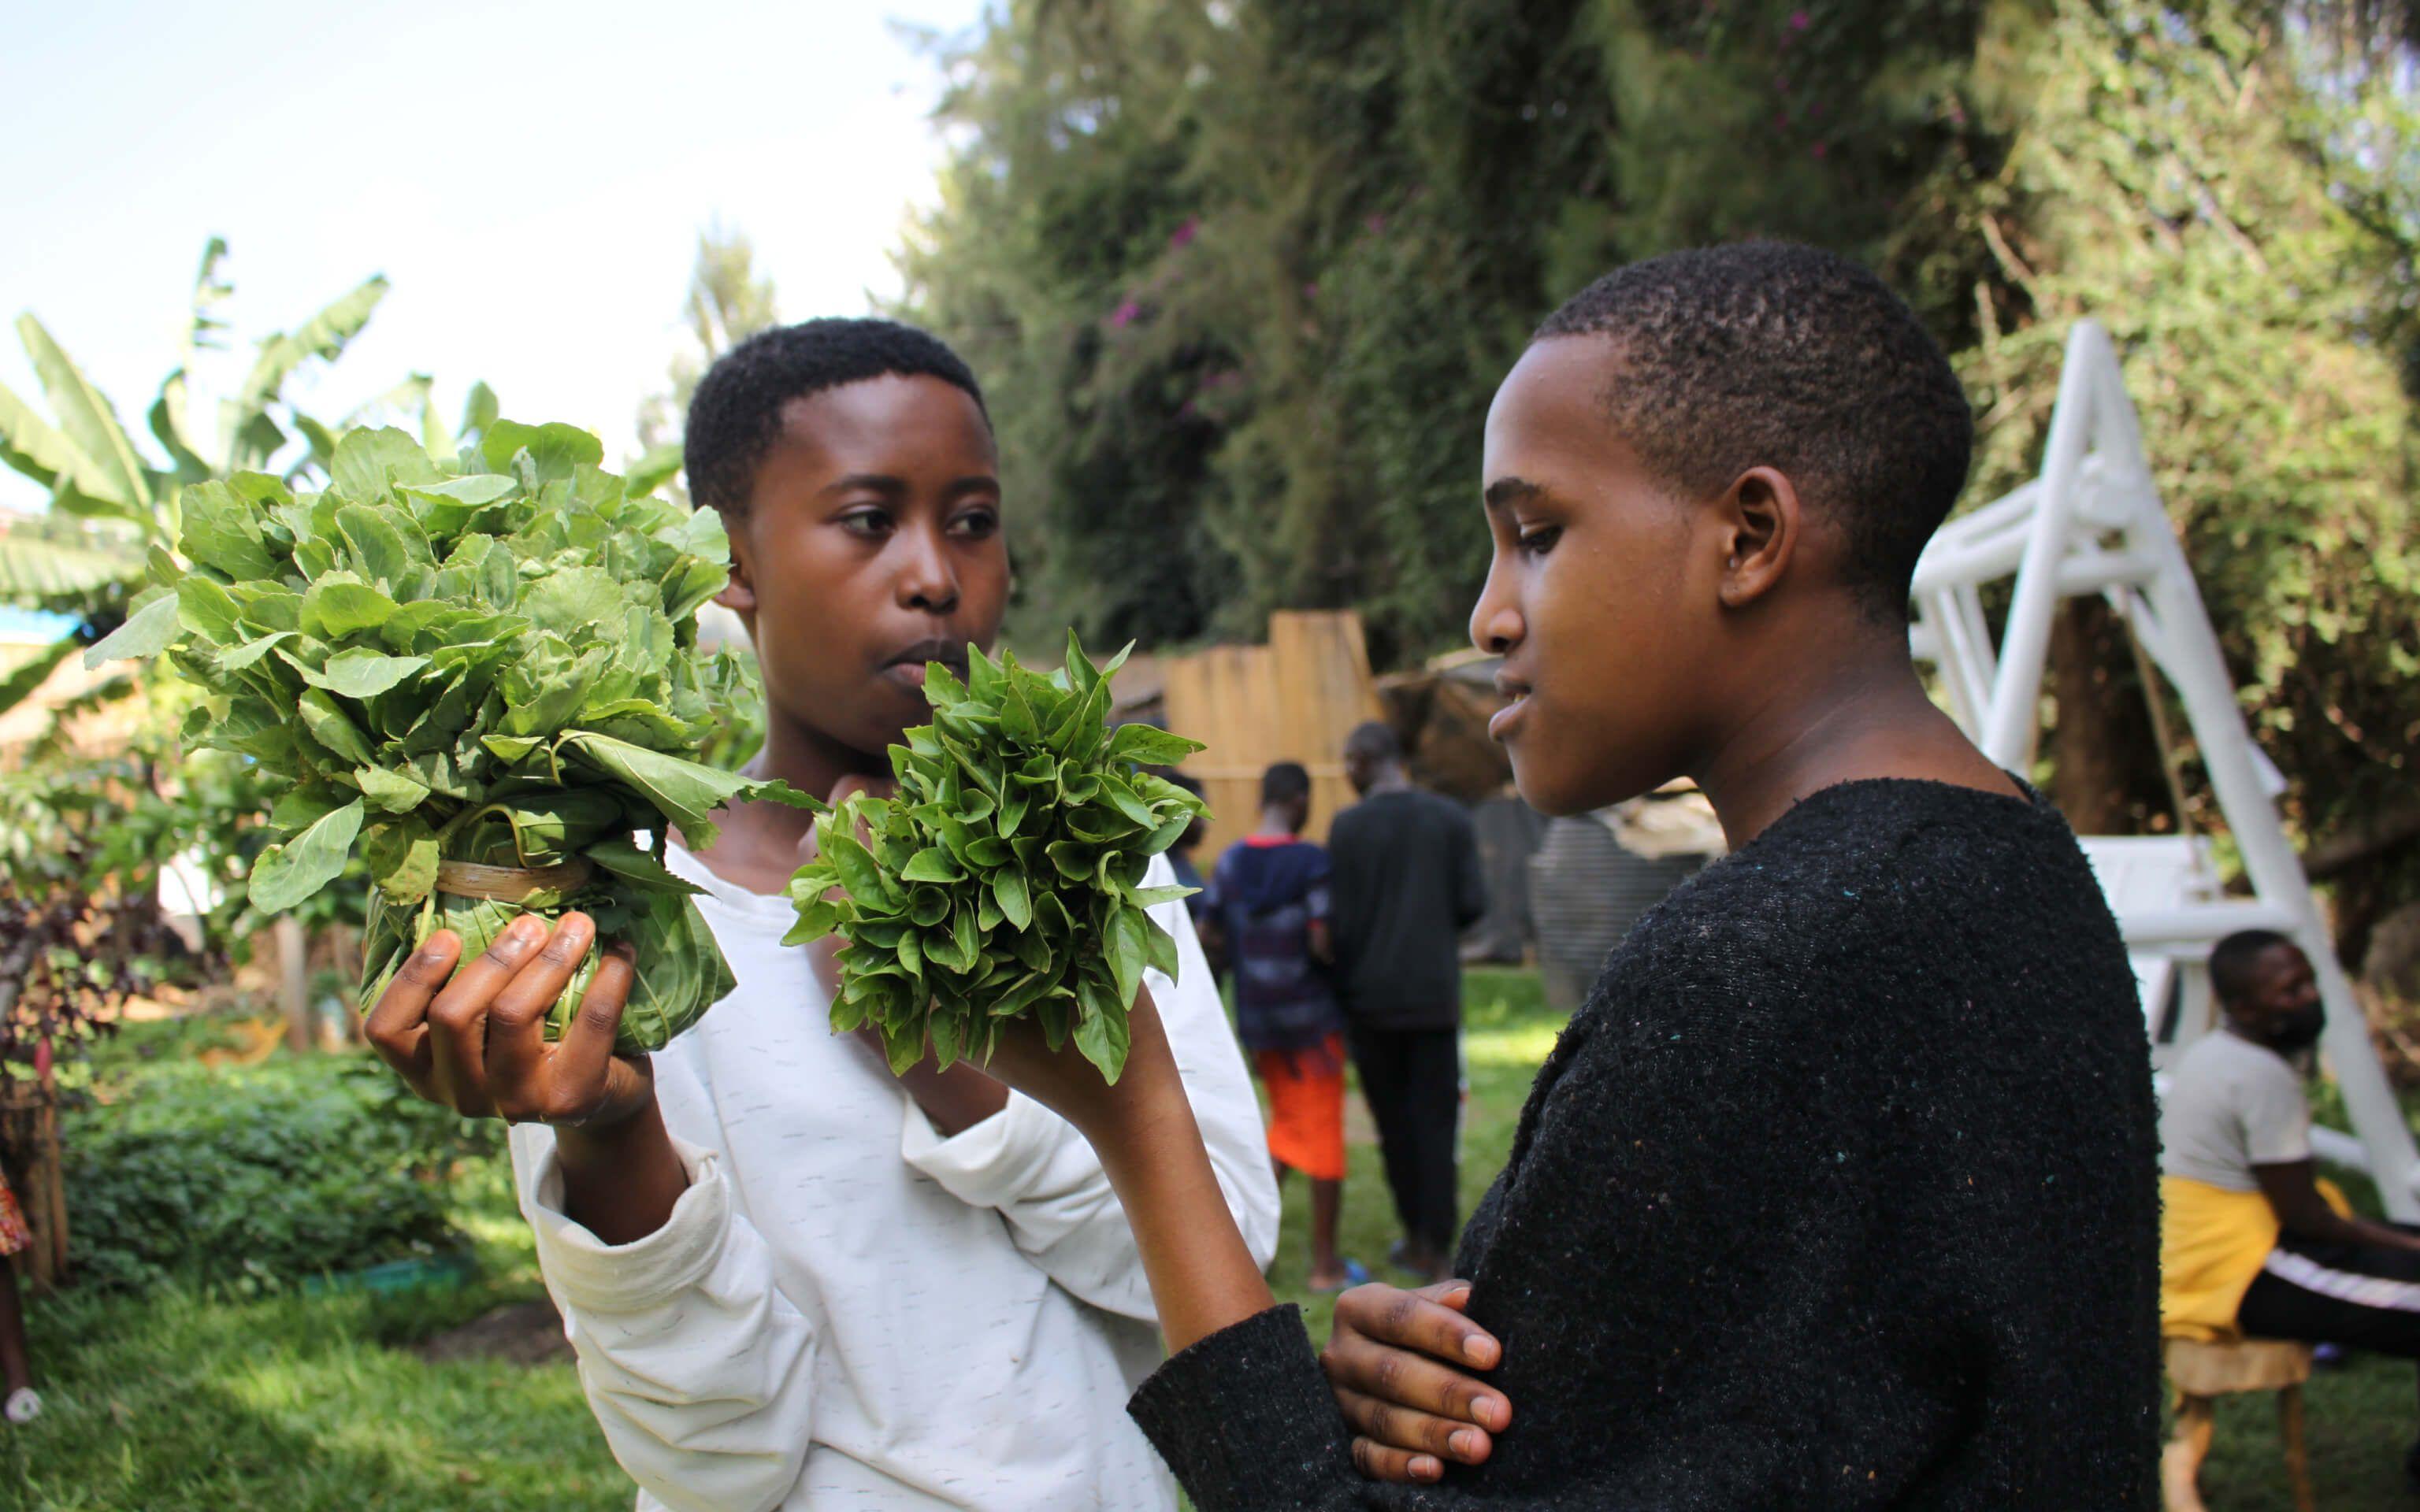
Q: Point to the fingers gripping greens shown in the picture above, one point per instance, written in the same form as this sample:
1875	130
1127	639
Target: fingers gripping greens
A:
1003	879
494	661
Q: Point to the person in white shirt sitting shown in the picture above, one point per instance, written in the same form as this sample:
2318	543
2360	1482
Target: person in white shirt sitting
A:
791	1280
2252	1243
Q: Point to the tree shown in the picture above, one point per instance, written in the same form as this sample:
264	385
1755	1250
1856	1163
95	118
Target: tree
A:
1244	277
727	304
1240	279
2241	212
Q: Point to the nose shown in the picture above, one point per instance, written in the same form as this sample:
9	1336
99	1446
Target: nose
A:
1495	623
928	578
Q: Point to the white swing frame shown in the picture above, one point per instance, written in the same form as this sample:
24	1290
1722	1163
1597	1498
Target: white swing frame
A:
2093	523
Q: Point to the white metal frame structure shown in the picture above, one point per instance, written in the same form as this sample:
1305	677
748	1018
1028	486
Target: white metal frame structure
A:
2093	523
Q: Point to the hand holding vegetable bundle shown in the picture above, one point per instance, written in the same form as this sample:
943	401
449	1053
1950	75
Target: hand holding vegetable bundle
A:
483	672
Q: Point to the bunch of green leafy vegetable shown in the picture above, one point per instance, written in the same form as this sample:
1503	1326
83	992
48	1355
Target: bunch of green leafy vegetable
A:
1004	876
491	660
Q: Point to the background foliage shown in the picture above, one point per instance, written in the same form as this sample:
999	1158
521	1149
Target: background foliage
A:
1241	278
225	1175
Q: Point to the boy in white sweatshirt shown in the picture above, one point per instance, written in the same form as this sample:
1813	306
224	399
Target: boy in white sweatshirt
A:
793	1281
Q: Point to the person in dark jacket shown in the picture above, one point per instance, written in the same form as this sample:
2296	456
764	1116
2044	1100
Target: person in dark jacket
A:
1407	883
1838	1190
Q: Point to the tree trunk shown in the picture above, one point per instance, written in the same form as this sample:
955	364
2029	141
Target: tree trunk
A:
2089	739
294	977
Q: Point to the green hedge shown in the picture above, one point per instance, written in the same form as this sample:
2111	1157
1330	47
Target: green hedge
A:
258	1176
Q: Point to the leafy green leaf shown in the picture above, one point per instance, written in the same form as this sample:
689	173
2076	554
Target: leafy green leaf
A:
391	791
333	729
339	604
223	531
146	633
402	855
1146	747
206	610
632	864
380	552
368	464
360	674
285	875
555	449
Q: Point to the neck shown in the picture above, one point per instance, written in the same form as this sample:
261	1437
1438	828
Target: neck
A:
1274	822
2236	1027
1392	780
809	761
1861	716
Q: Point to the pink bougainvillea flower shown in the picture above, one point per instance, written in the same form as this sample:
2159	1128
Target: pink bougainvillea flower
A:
1799	21
1373	223
1818	150
1185	233
1125	315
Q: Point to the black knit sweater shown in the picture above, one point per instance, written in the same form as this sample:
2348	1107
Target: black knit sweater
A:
1839	1192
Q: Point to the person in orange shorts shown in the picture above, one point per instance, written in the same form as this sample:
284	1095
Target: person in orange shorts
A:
1265	908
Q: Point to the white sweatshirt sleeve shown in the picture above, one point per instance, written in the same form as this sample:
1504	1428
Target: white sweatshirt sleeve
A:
698	1369
1037	1170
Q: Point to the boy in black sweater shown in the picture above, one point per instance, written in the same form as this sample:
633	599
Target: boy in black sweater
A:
1838	1190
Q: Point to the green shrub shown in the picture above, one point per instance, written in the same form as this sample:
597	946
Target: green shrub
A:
257	1176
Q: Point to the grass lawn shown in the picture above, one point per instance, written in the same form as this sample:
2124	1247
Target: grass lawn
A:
177	1401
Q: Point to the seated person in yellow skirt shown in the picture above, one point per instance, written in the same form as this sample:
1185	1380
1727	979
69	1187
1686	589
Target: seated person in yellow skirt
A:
2252	1244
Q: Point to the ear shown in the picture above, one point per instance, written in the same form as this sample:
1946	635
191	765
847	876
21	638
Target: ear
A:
738	594
1763	526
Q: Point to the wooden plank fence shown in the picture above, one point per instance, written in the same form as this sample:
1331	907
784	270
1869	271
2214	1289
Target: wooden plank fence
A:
1293	699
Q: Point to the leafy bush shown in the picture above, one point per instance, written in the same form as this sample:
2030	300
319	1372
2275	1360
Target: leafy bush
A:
257	1176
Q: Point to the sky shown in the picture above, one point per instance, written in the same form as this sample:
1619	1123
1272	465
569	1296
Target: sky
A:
530	177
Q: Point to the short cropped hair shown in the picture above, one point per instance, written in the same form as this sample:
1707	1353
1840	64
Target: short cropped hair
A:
736	411
1284	782
2235	959
1771	354
1375	740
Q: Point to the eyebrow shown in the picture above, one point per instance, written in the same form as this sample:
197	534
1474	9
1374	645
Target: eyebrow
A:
1506	492
891	484
881	483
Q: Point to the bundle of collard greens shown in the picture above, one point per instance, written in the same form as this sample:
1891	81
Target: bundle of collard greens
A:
1003	879
493	660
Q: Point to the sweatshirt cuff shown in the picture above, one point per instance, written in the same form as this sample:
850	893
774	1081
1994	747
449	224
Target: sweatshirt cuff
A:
595	1276
1244	1416
992	1164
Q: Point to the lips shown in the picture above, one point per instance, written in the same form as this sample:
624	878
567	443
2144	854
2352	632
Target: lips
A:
1517	691
908	667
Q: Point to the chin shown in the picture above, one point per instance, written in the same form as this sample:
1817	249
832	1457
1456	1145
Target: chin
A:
1558	788
1549	788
